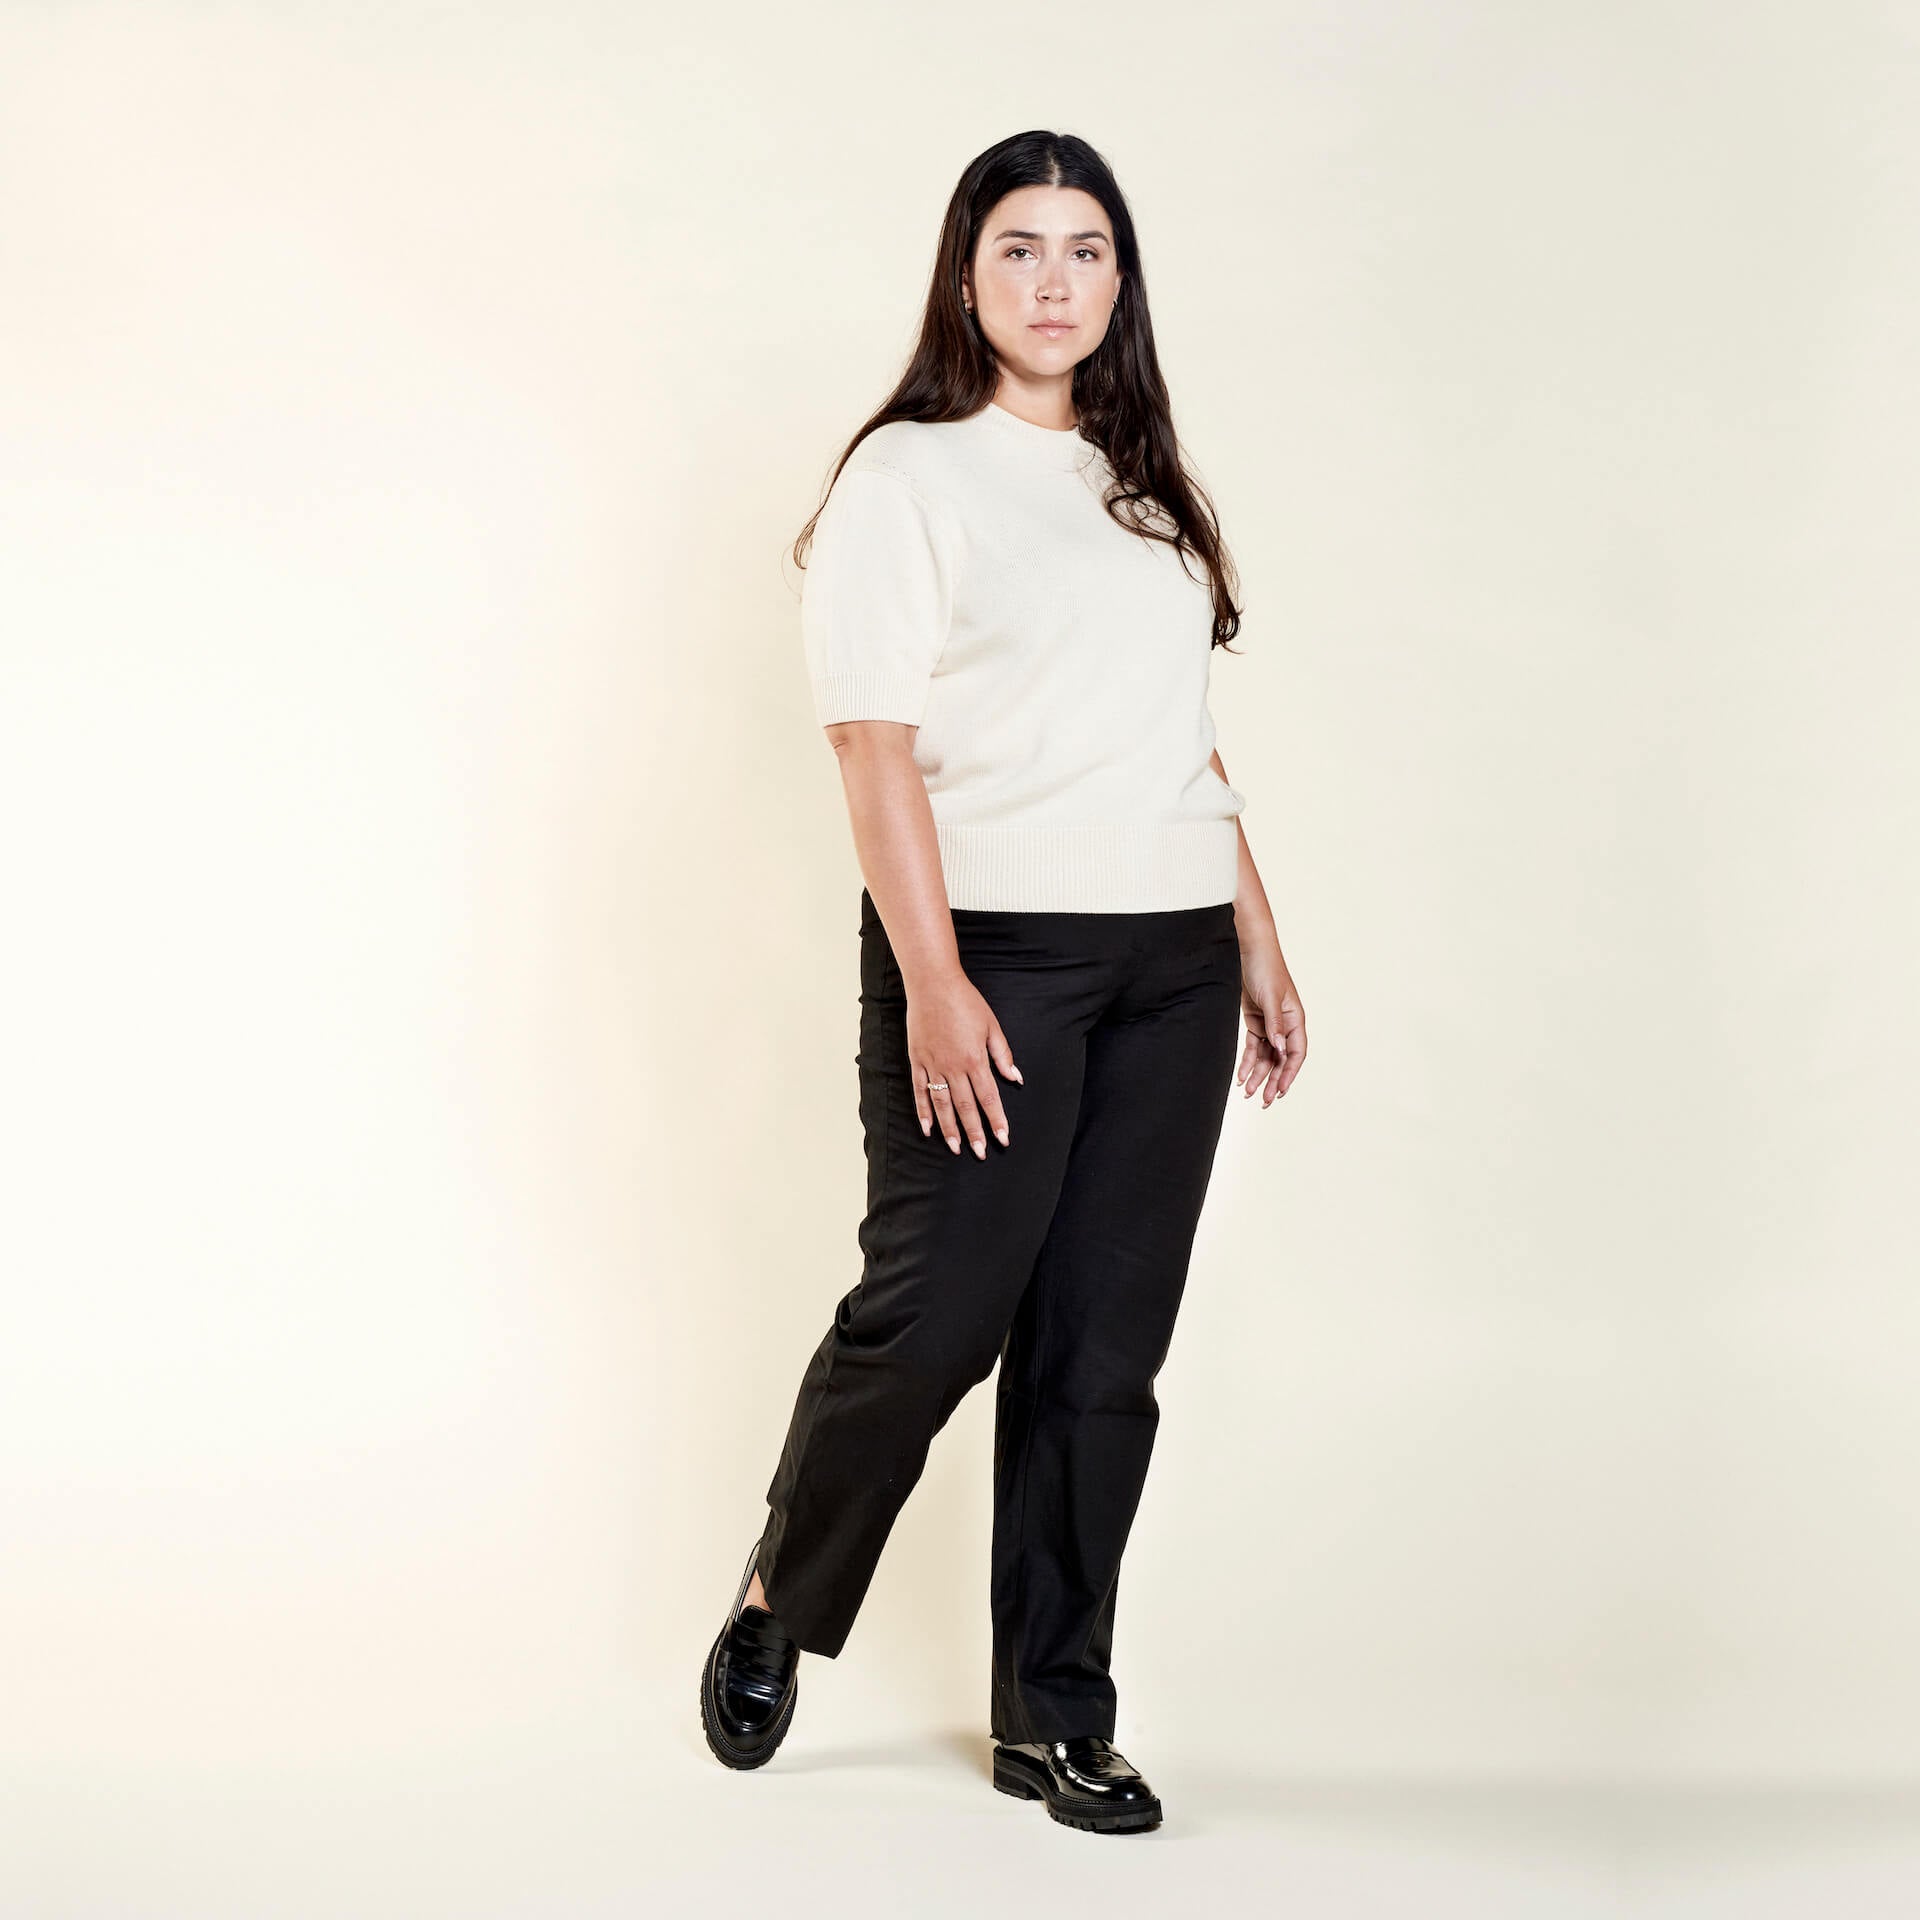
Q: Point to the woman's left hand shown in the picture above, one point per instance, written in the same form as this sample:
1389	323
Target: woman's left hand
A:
1276	1046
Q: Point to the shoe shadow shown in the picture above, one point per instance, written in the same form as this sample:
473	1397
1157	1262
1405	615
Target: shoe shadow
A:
937	1752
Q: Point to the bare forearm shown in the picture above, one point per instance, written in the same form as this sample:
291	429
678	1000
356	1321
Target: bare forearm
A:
1252	913
894	840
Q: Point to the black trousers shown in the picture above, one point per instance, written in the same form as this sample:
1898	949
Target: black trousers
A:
1062	1256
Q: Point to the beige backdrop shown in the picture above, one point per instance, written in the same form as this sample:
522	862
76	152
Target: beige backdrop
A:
431	980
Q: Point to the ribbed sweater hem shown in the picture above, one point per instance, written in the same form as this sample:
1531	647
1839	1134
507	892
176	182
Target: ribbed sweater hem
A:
1100	869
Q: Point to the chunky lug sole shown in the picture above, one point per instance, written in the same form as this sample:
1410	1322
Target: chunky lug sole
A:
1026	1779
726	1749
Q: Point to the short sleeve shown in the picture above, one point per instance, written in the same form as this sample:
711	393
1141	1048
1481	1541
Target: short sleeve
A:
875	600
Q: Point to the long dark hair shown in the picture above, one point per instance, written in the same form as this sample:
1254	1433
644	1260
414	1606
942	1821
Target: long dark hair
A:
1118	391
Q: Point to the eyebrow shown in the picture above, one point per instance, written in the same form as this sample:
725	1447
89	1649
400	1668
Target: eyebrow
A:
1020	233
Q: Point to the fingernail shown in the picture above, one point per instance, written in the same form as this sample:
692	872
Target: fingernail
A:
1000	1134
1018	1075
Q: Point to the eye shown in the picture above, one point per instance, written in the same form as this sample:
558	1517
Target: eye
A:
1093	253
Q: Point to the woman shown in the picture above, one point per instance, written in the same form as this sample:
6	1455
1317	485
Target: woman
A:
1061	928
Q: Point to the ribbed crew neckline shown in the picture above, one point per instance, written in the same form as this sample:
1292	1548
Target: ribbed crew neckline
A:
1061	447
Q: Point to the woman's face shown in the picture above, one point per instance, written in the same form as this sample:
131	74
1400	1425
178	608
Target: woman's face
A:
1043	280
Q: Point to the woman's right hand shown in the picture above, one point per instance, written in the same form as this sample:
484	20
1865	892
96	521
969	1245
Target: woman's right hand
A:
952	1036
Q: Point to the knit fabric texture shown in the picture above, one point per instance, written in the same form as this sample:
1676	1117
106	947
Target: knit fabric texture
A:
966	579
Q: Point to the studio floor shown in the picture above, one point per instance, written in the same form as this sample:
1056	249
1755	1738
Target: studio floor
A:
610	1808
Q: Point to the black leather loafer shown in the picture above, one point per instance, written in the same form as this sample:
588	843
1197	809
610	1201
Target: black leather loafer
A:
1086	1782
749	1683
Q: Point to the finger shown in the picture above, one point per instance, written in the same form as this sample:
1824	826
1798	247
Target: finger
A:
1257	1063
1003	1056
922	1101
1262	1059
987	1093
1262	1068
940	1090
1296	1057
1249	1053
968	1109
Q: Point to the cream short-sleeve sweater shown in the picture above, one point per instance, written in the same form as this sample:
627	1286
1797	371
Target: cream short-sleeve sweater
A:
965	578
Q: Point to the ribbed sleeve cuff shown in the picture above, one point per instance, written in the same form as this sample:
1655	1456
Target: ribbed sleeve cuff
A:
869	696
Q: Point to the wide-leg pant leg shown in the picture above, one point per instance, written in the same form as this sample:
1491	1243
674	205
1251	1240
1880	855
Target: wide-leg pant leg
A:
949	1244
1076	1414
